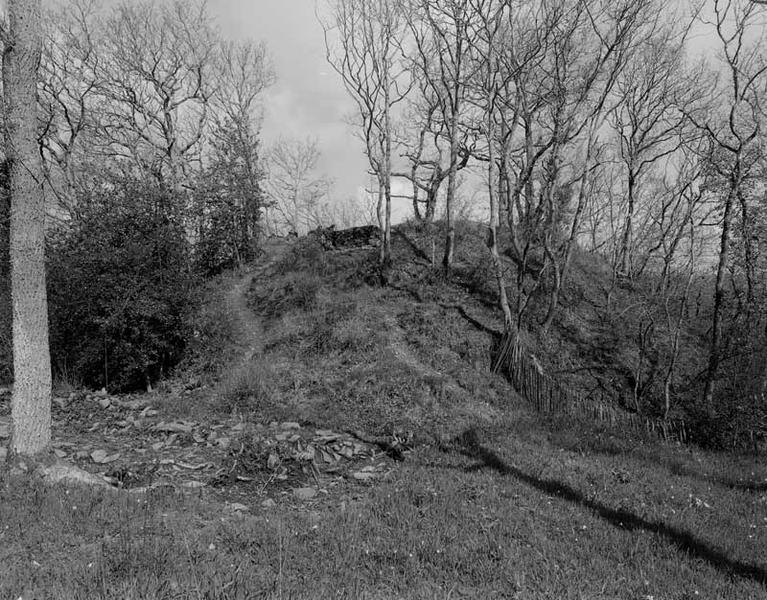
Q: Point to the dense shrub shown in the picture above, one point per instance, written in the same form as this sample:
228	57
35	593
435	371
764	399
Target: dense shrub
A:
119	288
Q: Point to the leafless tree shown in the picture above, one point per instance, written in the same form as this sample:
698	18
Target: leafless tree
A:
653	91
157	83
294	186
488	88
364	46
68	88
562	61
424	143
734	123
442	36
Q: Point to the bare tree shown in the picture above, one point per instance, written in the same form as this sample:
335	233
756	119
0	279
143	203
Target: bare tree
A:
69	84
442	35
294	186
734	125
156	86
368	56
489	88
31	402
425	146
562	61
654	89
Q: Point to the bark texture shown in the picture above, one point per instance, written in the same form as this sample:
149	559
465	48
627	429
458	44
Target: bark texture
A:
31	402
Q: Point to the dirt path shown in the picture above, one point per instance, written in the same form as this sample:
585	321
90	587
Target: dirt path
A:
249	326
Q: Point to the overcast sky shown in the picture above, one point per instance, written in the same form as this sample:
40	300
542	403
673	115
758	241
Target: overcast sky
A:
308	98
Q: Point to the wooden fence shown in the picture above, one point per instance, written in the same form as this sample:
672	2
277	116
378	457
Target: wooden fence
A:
549	396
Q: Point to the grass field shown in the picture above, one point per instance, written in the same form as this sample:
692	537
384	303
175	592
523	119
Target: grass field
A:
490	501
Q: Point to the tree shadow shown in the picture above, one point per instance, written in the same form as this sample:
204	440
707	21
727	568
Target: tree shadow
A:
420	253
469	444
596	445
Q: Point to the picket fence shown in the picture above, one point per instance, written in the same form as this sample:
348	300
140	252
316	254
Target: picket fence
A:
549	396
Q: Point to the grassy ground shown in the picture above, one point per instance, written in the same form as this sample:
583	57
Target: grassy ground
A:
490	501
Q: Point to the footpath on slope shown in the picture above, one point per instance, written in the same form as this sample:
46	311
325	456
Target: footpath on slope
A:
127	440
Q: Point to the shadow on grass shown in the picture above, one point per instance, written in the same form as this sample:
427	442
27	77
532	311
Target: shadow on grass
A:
611	447
470	445
413	245
477	324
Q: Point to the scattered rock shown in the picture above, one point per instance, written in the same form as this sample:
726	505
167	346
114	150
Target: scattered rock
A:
59	453
224	442
268	503
5	431
174	427
101	457
63	473
307	454
273	462
3	453
325	435
291	425
366	473
191	467
105	403
193	484
137	404
237	507
306	493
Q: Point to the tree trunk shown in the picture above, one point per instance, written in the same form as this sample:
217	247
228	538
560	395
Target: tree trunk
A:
719	289
386	257
447	260
628	231
31	402
492	240
560	273
380	210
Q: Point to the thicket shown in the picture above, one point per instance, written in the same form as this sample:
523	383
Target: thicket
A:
120	288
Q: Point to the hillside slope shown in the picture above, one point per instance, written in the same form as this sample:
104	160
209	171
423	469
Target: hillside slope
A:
335	438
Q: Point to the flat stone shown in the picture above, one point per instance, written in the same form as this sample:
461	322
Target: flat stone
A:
193	484
306	493
176	427
62	473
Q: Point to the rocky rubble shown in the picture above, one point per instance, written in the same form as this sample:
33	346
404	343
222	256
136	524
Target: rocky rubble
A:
125	441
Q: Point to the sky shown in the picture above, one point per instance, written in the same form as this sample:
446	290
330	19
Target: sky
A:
308	98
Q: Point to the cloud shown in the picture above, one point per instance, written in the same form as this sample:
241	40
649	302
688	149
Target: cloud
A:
308	98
